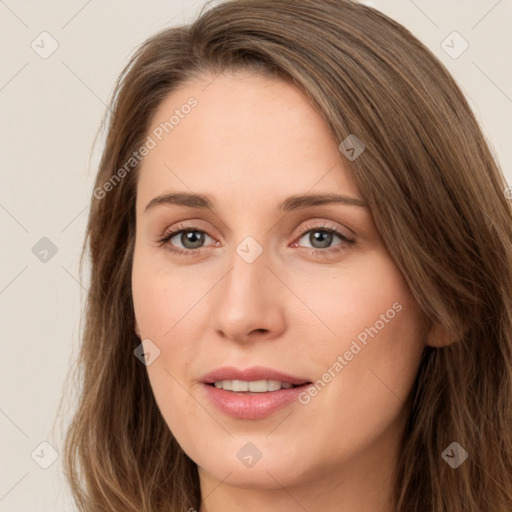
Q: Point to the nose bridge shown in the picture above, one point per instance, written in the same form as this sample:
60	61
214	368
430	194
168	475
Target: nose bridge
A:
249	273
248	298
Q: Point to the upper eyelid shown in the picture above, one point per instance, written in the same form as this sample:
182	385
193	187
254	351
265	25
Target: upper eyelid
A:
326	225
194	226
320	213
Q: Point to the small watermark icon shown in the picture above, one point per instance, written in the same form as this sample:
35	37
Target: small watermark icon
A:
44	250
147	352
351	147
249	249
249	454
44	455
454	45
454	455
44	45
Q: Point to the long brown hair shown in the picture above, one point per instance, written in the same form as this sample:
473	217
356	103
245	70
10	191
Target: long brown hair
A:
437	196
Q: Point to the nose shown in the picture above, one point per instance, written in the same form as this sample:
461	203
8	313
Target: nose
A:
250	303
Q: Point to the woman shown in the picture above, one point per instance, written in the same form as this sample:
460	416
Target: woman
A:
301	287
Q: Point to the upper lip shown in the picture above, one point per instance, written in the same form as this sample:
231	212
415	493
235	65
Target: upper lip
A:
251	374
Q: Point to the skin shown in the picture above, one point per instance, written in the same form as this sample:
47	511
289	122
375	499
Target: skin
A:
250	143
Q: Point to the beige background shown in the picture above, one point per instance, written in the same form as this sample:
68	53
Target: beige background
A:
51	109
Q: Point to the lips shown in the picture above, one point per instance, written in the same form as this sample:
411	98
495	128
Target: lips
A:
254	373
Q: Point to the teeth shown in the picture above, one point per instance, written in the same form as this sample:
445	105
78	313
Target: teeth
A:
240	385
254	386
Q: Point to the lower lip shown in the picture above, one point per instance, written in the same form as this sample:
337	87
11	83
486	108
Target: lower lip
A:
252	406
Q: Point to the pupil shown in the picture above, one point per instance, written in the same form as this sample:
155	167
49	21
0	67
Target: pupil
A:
327	238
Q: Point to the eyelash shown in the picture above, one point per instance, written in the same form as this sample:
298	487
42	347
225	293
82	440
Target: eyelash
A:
312	251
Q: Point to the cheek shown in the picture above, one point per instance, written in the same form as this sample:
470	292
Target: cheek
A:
349	301
164	299
369	362
169	312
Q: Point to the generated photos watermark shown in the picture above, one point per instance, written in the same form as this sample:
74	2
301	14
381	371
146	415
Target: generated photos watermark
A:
151	143
354	349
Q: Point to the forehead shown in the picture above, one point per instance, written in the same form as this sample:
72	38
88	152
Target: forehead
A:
247	136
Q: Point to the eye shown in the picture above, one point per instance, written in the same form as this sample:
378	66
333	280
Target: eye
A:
321	239
190	238
188	241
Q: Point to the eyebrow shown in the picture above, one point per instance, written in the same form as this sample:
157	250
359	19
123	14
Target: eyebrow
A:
291	203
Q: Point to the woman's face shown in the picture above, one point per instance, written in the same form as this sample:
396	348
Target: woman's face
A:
300	287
